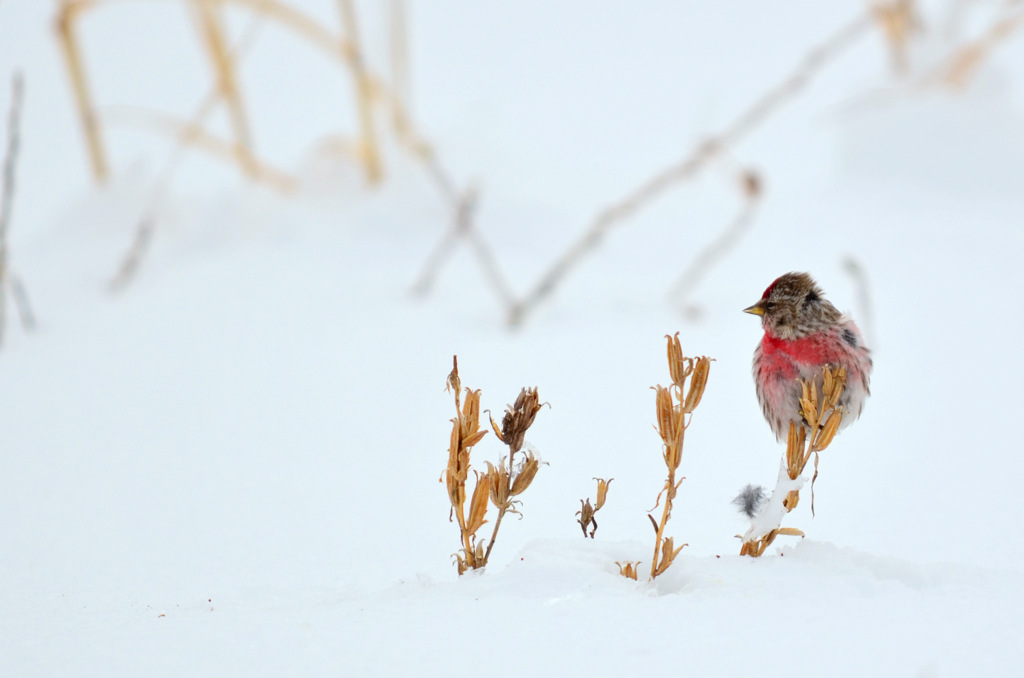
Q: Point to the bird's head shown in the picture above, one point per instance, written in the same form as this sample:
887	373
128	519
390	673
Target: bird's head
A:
793	307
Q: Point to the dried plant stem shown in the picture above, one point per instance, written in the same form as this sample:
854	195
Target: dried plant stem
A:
499	485
822	416
705	260
588	511
463	227
688	167
189	135
671	488
961	66
212	33
674	406
213	37
399	43
369	153
192	135
7	281
865	311
67	14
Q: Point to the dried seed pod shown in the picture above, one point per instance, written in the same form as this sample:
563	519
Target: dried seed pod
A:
478	504
453	382
790	531
628	568
668	555
838	384
470	419
829	429
456	490
586	515
791	500
665	412
795	450
679	366
526	475
494	426
602	492
518	418
827	380
697	383
499	485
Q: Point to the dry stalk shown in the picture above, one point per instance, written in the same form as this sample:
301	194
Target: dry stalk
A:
500	484
67	15
190	134
751	188
822	415
897	20
865	308
210	27
674	405
224	67
964	62
587	511
369	152
7	280
399	66
689	166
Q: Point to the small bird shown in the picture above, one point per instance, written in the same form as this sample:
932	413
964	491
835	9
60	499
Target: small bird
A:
803	332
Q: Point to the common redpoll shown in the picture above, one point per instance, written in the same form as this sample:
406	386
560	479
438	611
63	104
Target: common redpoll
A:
803	332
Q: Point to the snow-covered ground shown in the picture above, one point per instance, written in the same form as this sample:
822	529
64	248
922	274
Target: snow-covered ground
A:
231	466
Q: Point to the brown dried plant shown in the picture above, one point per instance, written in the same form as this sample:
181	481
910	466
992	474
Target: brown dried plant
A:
675	405
500	484
628	568
586	513
344	45
822	416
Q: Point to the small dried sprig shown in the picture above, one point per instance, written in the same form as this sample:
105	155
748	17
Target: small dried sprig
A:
466	433
822	415
628	568
586	513
674	406
499	484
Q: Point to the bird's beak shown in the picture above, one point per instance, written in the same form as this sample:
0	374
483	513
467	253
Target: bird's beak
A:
756	309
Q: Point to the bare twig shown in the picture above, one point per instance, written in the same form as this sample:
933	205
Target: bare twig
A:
189	134
399	41
706	259
463	206
72	51
369	154
211	29
865	309
961	66
7	200
20	296
688	167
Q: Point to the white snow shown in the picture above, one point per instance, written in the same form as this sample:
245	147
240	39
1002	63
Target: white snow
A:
231	467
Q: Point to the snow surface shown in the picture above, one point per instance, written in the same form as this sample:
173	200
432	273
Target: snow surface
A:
231	467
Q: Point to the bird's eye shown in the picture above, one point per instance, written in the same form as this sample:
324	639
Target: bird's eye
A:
769	305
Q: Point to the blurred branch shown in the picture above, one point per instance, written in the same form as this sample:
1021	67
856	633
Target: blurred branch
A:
963	63
368	151
706	259
462	228
865	311
190	134
399	42
6	205
67	14
688	167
